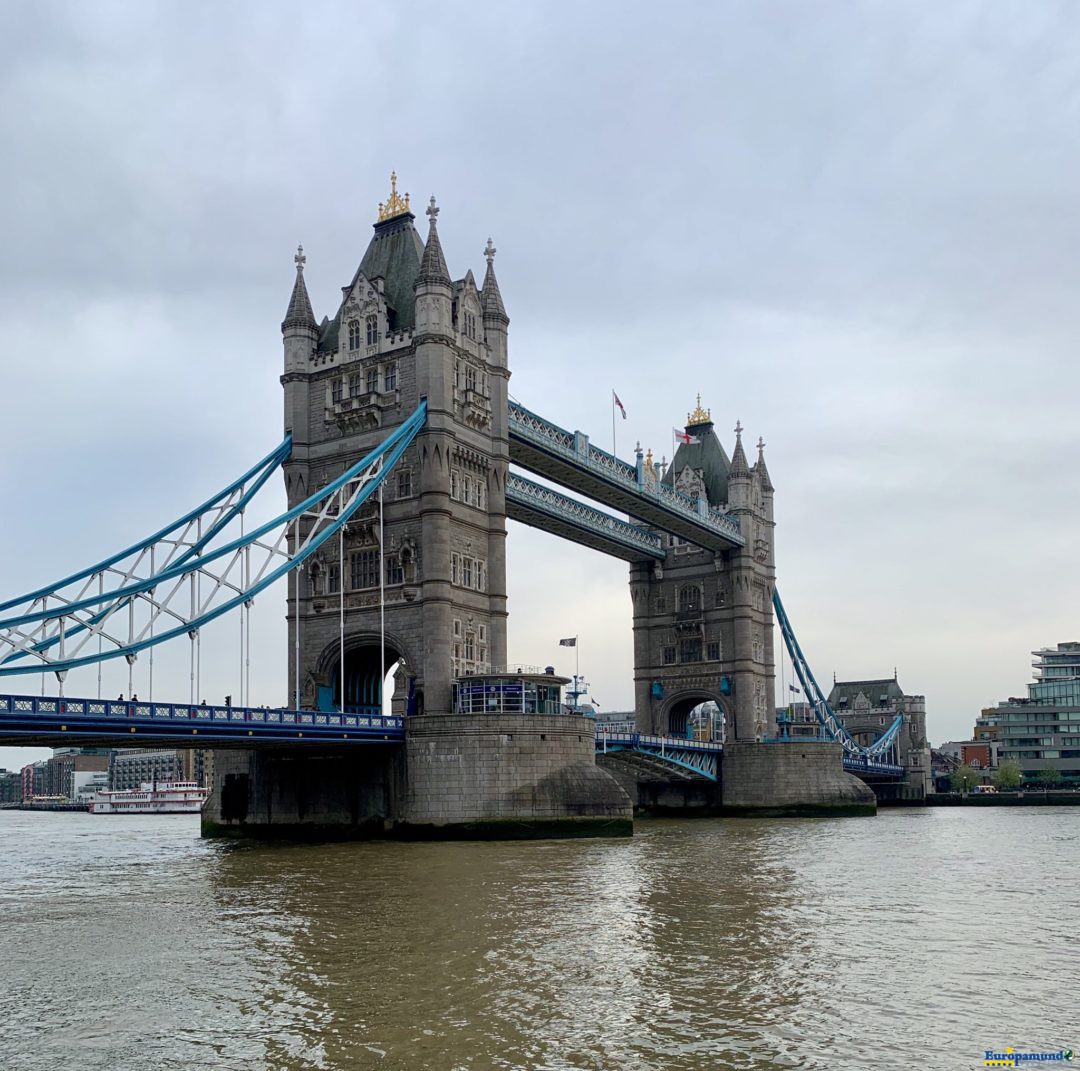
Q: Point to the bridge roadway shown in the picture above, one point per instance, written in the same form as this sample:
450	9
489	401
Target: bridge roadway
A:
568	458
56	721
62	722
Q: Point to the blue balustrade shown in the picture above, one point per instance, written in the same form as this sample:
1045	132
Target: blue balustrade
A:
34	716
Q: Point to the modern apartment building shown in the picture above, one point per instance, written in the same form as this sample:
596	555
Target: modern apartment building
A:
1043	730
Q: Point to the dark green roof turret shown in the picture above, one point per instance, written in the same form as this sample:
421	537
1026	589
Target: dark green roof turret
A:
490	299
299	313
433	264
705	455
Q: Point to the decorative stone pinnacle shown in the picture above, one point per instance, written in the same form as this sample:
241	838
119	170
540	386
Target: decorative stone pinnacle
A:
432	210
395	205
738	429
760	445
489	251
300	260
699	415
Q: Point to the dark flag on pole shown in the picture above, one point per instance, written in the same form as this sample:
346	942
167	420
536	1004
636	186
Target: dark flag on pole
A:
571	642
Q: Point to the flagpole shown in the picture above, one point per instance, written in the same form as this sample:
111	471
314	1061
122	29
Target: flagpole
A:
577	674
613	454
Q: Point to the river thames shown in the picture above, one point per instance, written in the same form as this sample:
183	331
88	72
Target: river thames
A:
916	939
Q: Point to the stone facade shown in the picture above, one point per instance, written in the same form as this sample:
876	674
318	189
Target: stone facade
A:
509	775
868	708
792	779
703	621
404	332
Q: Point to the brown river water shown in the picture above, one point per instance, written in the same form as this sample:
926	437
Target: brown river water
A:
917	939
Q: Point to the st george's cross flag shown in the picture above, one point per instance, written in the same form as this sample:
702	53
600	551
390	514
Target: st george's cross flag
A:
684	437
571	642
622	408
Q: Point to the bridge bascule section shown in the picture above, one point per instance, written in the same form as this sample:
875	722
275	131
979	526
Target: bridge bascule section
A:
399	436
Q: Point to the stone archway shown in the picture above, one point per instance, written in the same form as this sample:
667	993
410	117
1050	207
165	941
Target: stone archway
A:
362	677
675	716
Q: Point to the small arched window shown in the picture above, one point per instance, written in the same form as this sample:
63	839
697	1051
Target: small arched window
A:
372	330
354	334
689	598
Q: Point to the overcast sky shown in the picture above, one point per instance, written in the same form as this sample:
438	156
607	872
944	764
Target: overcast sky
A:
852	226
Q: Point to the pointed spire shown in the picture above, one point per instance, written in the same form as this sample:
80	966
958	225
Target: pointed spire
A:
760	469
739	467
490	299
433	264
299	313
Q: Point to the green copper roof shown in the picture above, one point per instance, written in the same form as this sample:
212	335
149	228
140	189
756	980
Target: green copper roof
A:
708	456
393	254
873	690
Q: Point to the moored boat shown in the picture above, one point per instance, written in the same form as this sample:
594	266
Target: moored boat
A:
151	797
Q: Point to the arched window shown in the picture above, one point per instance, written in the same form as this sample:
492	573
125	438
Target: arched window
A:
689	598
372	330
354	334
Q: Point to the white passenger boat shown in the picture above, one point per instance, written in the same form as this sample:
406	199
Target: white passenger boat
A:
152	797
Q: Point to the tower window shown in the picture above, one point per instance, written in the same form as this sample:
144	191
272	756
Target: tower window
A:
332	579
390	377
453	484
466	572
395	574
335	391
470	325
372	380
404	484
470	377
467	492
364	569
714	652
690	650
481	495
355	388
669	655
689	598
372	330
354	334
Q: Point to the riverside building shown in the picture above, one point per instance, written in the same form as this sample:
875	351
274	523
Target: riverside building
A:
1043	731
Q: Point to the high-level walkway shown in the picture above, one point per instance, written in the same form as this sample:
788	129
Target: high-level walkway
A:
569	459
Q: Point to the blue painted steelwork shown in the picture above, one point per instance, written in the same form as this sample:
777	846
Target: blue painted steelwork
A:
651	500
698	756
832	726
87	613
531	502
258	474
59	720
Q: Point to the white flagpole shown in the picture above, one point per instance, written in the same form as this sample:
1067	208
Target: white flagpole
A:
613	454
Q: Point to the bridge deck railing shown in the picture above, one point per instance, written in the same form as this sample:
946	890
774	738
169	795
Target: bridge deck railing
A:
53	707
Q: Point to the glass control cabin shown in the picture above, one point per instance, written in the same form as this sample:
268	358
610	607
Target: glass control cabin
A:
512	692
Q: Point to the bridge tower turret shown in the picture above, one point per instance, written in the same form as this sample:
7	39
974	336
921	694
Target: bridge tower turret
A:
404	331
703	619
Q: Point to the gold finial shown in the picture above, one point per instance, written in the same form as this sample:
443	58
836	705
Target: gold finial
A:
648	457
395	205
699	415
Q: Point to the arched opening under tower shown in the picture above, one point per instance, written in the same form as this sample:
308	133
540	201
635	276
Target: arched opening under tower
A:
697	717
365	685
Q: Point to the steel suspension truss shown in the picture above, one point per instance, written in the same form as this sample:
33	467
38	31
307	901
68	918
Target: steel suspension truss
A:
187	574
833	727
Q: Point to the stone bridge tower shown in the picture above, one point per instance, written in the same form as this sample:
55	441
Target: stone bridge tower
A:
703	621
404	331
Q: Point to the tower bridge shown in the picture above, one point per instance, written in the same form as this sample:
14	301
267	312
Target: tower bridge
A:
399	436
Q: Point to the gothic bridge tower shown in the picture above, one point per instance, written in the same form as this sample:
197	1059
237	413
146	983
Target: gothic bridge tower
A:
404	331
703	621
